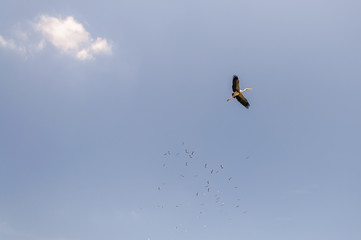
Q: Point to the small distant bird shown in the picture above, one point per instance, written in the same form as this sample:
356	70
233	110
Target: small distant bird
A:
205	165
197	194
212	171
186	163
158	188
237	92
221	166
229	179
208	181
208	189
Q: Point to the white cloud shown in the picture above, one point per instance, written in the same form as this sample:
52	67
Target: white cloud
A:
66	35
70	36
101	46
84	54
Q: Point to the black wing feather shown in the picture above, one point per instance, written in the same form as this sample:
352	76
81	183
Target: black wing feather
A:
235	85
242	100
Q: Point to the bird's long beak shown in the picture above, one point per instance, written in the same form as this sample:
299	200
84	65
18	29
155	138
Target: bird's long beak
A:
242	91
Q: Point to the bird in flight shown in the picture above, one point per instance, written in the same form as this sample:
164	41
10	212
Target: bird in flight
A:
237	92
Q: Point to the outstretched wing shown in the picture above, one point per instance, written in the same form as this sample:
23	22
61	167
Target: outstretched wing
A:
235	85
242	100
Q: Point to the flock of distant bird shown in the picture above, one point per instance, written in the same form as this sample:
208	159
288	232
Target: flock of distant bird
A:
207	182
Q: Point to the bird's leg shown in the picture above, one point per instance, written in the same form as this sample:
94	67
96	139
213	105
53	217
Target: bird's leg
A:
235	94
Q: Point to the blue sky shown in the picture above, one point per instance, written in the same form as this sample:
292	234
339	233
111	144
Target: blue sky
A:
93	94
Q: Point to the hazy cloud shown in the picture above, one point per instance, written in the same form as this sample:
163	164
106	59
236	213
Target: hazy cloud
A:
66	35
10	44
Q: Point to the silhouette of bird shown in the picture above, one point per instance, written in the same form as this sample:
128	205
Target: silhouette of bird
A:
237	92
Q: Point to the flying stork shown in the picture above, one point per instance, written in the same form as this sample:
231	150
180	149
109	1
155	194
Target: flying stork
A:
237	92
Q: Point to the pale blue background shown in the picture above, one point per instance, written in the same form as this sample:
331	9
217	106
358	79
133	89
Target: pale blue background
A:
82	143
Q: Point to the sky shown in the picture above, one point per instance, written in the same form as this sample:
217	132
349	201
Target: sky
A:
115	125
